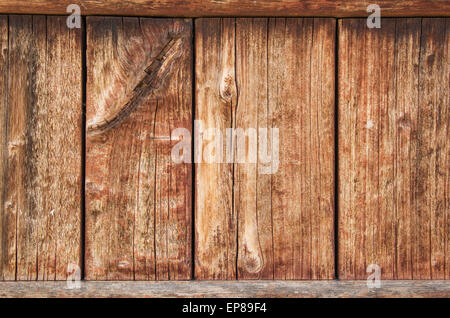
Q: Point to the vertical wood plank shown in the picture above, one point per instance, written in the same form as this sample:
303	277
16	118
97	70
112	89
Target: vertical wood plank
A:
41	148
138	202
433	164
393	156
302	107
254	73
252	190
215	96
7	220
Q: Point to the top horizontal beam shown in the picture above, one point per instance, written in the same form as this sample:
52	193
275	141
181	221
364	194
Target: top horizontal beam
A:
203	8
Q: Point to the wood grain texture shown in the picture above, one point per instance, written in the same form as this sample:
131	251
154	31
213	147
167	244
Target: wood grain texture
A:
41	126
229	289
252	225
204	8
138	202
394	148
215	89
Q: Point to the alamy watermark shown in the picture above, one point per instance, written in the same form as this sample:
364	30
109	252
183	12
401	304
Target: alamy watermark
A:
73	276
229	145
374	20
74	19
374	279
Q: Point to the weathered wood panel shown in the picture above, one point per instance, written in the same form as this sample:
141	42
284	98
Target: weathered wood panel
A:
205	8
256	219
394	148
138	202
41	126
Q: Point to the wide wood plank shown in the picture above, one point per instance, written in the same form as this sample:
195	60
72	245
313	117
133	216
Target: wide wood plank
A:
138	201
205	8
41	127
265	219
394	148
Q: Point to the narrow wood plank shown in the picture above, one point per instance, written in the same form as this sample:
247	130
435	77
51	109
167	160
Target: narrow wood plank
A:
229	289
138	201
215	96
393	156
41	148
204	8
7	220
264	219
252	190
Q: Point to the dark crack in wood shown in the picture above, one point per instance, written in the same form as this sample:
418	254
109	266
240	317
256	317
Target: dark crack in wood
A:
153	77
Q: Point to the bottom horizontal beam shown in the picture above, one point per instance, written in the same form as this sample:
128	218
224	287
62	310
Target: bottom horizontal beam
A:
227	289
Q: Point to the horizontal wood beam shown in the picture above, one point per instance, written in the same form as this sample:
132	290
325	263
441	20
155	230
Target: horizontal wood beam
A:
202	8
236	289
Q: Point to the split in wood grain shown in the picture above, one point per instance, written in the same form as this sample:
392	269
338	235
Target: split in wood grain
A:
154	74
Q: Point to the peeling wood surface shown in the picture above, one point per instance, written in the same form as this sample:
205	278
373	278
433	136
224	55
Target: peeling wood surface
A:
266	73
230	289
394	185
138	202
204	8
40	154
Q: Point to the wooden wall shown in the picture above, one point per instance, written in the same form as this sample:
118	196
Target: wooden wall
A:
363	171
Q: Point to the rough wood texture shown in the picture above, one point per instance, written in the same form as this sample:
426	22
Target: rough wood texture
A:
237	289
41	126
251	225
394	189
138	202
202	8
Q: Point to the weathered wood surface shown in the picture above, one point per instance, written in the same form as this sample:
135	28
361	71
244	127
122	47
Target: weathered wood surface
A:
394	189
40	152
138	202
229	289
266	73
203	8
